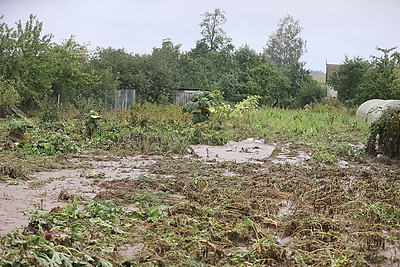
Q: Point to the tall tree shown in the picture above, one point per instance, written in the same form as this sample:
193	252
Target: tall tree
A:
70	75
163	73
214	37
298	77
285	46
119	62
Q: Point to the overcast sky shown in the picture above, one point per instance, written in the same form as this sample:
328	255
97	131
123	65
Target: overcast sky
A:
332	29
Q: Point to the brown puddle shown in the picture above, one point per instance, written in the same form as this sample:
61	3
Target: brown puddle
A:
239	152
250	150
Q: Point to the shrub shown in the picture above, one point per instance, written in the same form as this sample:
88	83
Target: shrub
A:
9	95
310	92
201	105
385	134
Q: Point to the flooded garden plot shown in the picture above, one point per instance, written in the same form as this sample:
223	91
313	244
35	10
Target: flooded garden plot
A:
250	150
154	194
166	210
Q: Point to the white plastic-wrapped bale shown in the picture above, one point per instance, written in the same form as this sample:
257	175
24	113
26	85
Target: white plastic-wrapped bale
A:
371	110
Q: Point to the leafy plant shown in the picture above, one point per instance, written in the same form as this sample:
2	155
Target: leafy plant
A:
151	214
248	104
91	123
201	106
18	126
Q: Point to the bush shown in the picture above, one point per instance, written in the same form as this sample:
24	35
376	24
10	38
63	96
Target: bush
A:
310	92
49	112
385	134
329	105
9	95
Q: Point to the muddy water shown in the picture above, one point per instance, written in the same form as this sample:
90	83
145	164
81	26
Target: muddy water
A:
250	150
239	152
47	190
34	194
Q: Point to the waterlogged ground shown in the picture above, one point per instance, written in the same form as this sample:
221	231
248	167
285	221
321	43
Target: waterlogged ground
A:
44	191
246	203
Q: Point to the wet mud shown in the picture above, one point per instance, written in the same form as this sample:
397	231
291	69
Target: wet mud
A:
43	191
248	201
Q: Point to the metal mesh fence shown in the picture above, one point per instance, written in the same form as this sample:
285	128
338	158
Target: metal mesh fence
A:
124	99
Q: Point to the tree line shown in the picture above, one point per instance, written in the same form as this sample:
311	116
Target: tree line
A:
34	70
358	80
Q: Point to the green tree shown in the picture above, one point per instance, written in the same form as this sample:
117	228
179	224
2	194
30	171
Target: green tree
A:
247	58
163	73
298	77
155	76
26	59
214	37
381	79
310	92
285	46
104	86
71	74
40	69
348	78
210	71
120	63
267	82
236	72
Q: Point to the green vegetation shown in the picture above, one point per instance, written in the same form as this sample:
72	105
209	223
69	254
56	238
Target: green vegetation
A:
201	105
385	134
70	76
358	80
336	207
191	213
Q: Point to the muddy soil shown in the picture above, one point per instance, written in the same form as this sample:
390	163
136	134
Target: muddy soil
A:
239	152
44	191
244	202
